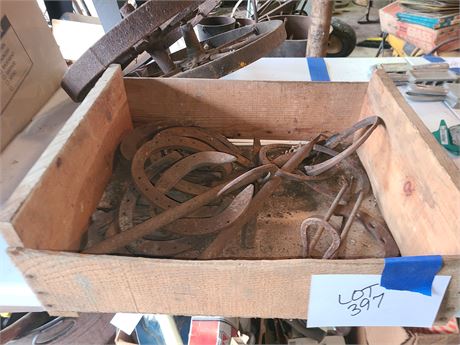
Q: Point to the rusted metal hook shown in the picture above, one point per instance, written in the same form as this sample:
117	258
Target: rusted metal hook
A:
370	123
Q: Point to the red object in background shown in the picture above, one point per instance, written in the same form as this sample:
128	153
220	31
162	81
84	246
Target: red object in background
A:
211	331
449	328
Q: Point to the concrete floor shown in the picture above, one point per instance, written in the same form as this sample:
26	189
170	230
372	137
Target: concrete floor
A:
350	15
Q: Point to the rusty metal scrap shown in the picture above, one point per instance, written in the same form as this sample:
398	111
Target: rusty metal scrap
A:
224	58
150	148
178	171
217	142
323	224
196	183
369	123
173	168
308	248
153	28
153	224
358	186
124	42
218	55
258	201
376	227
190	226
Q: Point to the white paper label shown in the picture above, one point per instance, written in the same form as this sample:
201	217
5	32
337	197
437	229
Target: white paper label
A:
359	300
443	135
126	321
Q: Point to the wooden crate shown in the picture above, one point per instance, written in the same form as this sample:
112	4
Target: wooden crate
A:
416	185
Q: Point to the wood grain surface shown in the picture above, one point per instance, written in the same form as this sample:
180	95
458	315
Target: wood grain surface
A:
248	109
246	288
415	182
62	189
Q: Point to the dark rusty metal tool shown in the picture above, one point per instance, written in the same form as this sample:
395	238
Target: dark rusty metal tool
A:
154	21
221	54
349	220
179	170
152	147
219	143
153	224
168	168
348	166
216	247
361	186
250	176
168	180
359	181
324	225
376	227
369	123
192	226
319	231
131	195
282	159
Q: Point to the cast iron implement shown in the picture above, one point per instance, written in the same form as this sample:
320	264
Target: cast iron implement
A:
355	182
153	22
218	55
273	182
153	224
153	28
163	164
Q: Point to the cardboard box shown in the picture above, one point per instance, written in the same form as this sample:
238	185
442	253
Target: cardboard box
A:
31	65
401	336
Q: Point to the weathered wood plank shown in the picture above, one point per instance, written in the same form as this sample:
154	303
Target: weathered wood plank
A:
257	288
415	182
248	109
51	207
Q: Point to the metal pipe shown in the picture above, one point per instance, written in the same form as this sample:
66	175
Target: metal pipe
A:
318	34
162	58
328	216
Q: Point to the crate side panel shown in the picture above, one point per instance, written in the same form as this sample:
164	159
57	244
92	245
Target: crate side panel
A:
245	288
248	109
67	182
415	182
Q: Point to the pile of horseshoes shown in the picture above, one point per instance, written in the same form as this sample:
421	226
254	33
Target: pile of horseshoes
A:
197	183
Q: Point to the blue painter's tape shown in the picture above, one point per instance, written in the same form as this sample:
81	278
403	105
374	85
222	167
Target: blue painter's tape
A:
432	58
411	273
318	69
